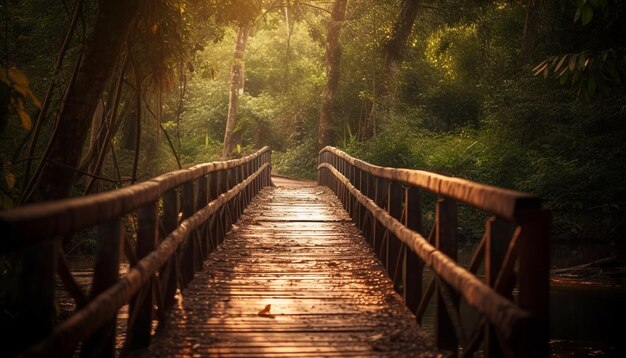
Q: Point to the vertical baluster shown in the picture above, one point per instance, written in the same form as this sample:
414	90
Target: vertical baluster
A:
212	188
170	271
363	213
221	213
534	281
37	287
202	199
140	322
498	236
413	266
371	193
189	246
381	201
446	242
395	201
105	274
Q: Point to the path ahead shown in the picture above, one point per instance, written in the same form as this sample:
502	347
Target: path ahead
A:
293	278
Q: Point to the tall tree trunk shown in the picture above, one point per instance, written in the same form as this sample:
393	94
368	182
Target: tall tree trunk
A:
231	139
333	58
531	27
385	88
101	54
36	313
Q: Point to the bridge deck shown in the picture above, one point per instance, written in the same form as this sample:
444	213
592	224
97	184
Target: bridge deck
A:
293	278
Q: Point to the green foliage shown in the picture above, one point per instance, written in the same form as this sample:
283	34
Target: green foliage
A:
299	161
588	73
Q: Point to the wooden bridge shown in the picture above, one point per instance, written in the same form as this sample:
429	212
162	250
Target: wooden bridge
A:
223	263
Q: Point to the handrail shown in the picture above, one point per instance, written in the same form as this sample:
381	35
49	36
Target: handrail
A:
385	203
33	223
85	322
502	202
181	216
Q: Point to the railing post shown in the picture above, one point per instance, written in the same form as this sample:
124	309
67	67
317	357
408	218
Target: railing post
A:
371	193
534	279
413	266
446	242
140	312
105	274
395	200
189	247
497	238
380	199
170	271
212	224
202	200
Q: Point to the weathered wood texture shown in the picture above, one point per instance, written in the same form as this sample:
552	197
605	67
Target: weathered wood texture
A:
298	251
386	206
170	247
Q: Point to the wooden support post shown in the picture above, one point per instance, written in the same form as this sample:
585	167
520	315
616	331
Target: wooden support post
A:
412	266
371	193
395	201
36	297
211	225
497	238
105	274
534	281
446	242
140	321
170	271
202	200
380	199
189	246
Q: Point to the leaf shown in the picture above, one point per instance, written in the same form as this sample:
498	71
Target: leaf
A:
27	124
18	77
587	14
540	66
591	86
560	63
266	312
9	178
572	62
575	76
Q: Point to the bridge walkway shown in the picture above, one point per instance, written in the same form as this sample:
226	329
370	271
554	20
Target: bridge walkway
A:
293	278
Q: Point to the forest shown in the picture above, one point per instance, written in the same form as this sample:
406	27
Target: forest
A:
528	95
522	94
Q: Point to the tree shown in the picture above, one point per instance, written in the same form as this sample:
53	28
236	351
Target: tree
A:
531	27
102	50
384	93
333	59
231	139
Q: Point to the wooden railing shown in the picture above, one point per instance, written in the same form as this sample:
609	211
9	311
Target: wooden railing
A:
180	217
513	256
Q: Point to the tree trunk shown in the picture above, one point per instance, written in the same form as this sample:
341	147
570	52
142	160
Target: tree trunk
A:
333	58
385	88
231	139
36	291
101	54
531	27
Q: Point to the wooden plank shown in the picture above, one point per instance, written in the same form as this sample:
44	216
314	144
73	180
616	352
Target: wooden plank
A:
328	293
